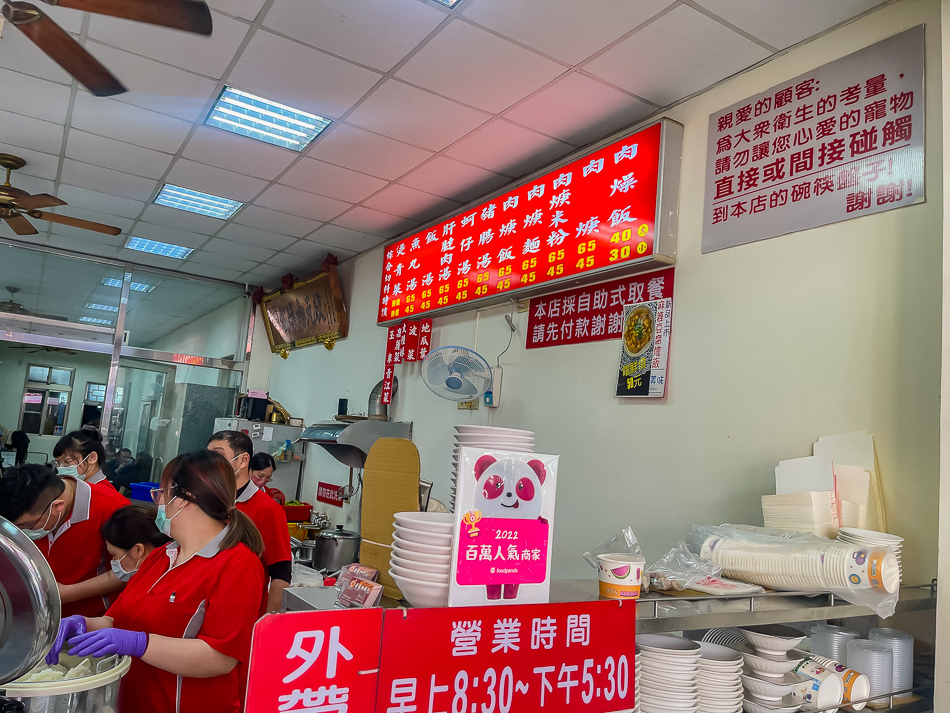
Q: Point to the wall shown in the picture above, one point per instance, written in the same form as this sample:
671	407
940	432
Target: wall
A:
13	365
826	331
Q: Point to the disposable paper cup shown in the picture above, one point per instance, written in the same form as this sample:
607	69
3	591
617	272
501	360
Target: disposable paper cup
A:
824	689
620	575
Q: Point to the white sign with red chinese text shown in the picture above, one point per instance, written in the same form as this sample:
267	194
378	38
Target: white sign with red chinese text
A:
504	523
842	141
558	658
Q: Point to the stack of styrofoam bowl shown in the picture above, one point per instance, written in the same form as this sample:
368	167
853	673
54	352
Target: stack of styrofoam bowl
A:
902	646
668	681
720	688
876	661
832	642
636	680
871	538
765	653
771	691
421	561
499	439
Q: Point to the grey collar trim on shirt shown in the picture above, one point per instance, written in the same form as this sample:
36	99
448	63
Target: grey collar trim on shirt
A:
249	490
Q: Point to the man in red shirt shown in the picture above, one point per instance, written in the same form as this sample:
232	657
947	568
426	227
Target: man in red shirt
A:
63	517
269	517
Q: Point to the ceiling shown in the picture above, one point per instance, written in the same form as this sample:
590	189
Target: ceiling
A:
432	107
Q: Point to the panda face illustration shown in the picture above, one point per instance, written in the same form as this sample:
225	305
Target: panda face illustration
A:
509	488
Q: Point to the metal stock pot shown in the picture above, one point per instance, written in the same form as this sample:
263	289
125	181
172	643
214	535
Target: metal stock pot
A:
334	549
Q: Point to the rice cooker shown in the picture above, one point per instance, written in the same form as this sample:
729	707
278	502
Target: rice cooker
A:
29	621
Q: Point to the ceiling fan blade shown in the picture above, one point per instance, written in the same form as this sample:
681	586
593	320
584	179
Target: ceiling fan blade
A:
20	225
76	222
187	15
62	49
39	200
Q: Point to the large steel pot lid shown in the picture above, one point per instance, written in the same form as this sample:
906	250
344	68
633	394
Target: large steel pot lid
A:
29	603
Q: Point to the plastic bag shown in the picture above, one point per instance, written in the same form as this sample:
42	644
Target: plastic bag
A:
679	569
303	576
624	542
803	562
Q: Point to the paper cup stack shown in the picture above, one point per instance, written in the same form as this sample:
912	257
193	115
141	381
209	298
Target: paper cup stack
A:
876	661
871	539
765	653
720	689
421	561
902	646
499	439
857	686
832	642
668	682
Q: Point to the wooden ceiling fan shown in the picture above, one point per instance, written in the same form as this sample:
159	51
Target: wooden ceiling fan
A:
16	204
188	15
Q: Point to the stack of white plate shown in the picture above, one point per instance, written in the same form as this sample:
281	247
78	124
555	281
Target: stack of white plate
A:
871	538
668	682
876	661
720	688
805	512
832	642
499	439
421	561
636	681
902	646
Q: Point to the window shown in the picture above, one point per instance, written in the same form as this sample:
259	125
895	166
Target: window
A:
96	393
45	402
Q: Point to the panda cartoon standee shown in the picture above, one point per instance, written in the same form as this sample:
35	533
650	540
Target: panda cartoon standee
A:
508	489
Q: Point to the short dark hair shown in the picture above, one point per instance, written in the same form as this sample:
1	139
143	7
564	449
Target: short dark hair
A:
262	460
240	442
22	488
132	525
125	450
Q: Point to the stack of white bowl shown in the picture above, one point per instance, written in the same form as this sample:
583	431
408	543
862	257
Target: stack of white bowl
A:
873	539
499	439
876	661
421	562
902	646
720	688
765	652
668	682
832	642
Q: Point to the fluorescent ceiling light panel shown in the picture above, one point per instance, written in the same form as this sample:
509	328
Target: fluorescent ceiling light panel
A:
154	247
264	120
136	286
197	202
96	320
448	3
103	308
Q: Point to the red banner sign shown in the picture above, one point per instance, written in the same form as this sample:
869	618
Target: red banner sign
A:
592	313
593	214
409	341
329	493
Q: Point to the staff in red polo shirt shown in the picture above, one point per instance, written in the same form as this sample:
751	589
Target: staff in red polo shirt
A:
63	516
187	615
80	454
269	517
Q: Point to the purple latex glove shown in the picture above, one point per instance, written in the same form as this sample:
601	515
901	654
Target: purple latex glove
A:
106	642
69	627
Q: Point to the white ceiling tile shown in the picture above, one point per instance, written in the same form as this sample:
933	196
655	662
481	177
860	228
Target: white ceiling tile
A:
248	9
209	56
165	234
131	124
302	77
238	153
226	261
82	245
216	181
782	24
579	110
332	181
181	219
296	264
453	179
33	184
339	237
89	236
273	221
124	185
678	54
410	203
297	202
252	236
21	55
108	153
102	202
309	249
567	30
415	116
377	33
33	97
217	273
32	134
156	86
267	277
148	260
478	68
38	164
237	249
352	147
503	147
367	220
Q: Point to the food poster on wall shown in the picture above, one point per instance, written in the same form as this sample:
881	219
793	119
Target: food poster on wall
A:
644	349
505	522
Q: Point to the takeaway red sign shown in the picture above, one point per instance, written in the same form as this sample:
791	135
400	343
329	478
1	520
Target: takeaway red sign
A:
593	214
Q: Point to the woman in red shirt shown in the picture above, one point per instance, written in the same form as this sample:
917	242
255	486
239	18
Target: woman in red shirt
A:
80	454
187	615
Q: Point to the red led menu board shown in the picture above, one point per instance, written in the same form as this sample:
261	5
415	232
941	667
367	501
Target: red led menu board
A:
611	210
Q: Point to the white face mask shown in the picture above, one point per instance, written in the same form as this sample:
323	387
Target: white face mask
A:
121	574
43	532
234	459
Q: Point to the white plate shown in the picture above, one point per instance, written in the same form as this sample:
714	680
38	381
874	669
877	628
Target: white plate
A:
443	569
493	429
428	558
424	538
511	448
402	544
439	522
420	575
667	644
715	655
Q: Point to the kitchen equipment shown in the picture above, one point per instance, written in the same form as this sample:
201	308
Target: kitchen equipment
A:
456	373
334	549
349	443
90	694
288	474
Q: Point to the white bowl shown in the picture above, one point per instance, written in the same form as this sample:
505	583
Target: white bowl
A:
424	538
664	644
716	655
439	522
775	666
404	544
415	556
771	689
443	569
649	702
467	428
772	639
420	575
422	594
756	705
